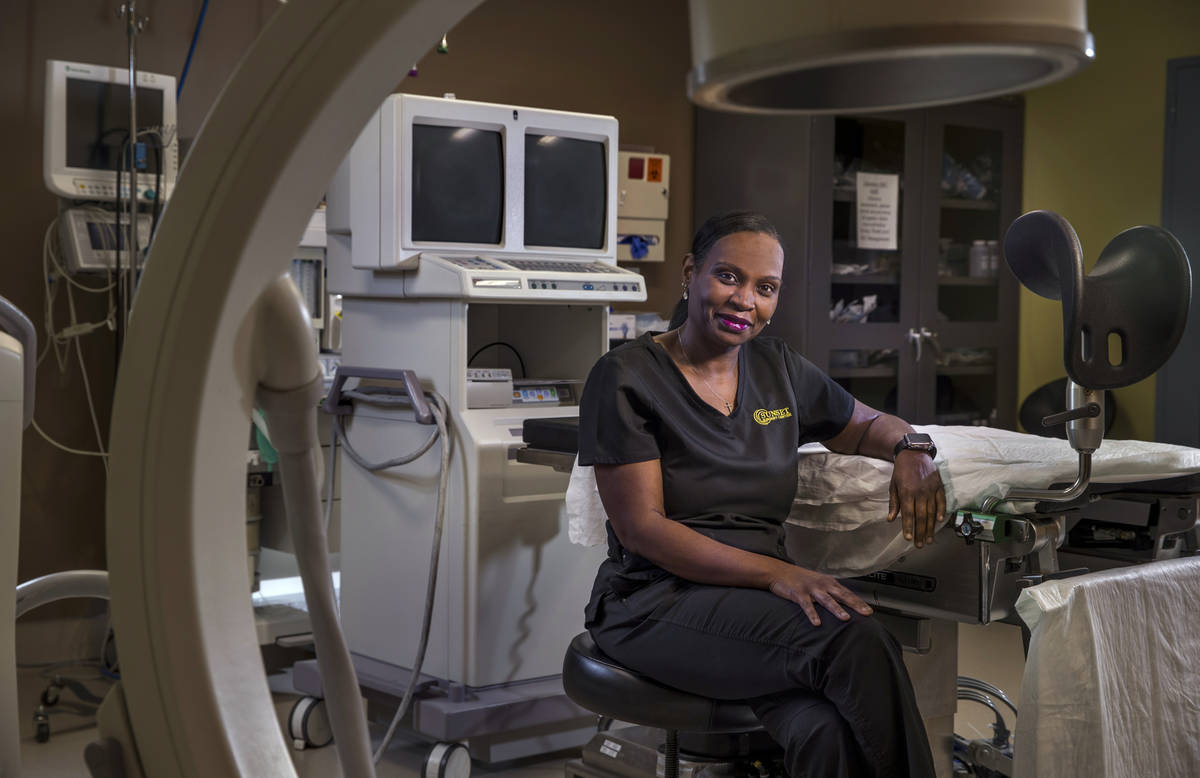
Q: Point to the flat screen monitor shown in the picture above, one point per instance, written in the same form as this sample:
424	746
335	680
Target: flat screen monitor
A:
98	124
566	192
87	132
457	184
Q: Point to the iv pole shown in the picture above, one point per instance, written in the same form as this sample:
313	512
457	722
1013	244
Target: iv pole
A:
133	26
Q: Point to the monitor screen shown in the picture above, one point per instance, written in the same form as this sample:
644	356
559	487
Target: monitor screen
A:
566	192
103	236
457	185
98	124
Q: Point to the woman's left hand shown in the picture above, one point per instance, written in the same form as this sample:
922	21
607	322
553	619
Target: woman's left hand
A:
917	496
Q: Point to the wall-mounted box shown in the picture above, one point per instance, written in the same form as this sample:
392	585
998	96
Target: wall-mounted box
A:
643	197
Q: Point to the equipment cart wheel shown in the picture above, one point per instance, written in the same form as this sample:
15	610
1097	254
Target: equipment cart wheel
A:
448	760
41	725
308	724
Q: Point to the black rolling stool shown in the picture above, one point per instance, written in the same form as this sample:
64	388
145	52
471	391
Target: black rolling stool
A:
598	683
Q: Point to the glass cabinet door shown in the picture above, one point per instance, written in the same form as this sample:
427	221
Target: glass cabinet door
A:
969	312
865	279
865	253
969	226
871	375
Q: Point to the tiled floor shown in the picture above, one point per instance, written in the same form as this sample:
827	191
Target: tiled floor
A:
62	757
992	653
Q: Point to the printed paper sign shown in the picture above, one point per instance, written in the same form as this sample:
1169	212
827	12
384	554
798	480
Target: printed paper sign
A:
878	210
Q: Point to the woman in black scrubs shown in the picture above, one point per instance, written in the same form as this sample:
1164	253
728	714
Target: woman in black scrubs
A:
693	434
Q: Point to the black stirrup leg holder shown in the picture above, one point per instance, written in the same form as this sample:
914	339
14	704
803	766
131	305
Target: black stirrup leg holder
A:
1139	290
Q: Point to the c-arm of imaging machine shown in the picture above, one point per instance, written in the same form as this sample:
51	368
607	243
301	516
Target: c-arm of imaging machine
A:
197	697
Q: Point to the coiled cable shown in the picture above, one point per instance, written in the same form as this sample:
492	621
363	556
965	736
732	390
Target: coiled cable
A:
375	396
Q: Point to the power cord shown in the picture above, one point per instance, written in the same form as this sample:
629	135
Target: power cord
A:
67	449
375	396
506	345
58	339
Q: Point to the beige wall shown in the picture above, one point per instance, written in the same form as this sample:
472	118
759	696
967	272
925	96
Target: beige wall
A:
1094	153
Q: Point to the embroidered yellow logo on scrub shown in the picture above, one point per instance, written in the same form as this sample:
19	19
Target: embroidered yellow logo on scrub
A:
765	417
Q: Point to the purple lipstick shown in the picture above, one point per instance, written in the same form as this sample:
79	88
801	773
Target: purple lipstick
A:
734	323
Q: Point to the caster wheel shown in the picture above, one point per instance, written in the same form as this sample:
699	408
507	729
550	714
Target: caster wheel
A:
41	727
51	694
448	760
308	724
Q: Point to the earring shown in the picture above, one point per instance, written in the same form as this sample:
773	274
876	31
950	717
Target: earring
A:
685	290
685	293
768	322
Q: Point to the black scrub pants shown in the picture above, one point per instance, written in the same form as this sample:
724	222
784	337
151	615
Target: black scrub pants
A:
837	697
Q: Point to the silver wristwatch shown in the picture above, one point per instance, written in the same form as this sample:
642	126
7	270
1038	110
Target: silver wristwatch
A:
916	441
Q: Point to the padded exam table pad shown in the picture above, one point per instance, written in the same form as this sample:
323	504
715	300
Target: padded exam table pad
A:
839	516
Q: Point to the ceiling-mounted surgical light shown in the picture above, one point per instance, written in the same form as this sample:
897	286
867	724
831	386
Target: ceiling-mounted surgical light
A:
827	56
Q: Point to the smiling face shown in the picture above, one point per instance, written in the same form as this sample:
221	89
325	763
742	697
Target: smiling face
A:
733	292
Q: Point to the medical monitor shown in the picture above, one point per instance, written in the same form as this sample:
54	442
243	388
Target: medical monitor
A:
86	131
458	177
566	191
457	185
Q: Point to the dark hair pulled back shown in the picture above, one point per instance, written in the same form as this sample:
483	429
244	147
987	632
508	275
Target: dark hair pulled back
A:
713	229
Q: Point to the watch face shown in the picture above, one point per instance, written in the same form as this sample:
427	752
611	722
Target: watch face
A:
916	441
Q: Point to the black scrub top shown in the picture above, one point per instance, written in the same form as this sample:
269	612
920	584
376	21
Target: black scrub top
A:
732	478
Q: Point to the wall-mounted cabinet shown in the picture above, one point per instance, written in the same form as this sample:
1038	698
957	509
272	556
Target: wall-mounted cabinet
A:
918	314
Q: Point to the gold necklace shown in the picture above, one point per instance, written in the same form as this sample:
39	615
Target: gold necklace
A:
713	392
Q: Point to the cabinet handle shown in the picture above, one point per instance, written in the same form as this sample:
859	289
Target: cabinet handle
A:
932	337
914	338
918	337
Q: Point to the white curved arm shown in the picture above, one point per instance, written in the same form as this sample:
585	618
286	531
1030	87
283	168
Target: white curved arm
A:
197	696
50	588
289	389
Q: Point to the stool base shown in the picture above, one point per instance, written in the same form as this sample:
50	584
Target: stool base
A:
636	752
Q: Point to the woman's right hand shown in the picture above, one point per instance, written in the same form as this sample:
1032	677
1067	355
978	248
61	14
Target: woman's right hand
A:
806	587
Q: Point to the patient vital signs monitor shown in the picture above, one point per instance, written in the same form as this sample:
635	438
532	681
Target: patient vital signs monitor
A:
87	132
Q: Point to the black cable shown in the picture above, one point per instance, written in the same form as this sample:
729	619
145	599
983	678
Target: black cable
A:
967	682
1000	737
509	346
110	664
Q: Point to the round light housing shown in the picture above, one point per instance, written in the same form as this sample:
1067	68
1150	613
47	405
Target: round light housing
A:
817	56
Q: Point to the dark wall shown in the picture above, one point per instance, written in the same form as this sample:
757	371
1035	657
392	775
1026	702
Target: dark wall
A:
773	179
623	58
619	57
62	499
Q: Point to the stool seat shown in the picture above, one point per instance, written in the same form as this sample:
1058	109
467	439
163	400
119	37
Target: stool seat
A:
596	682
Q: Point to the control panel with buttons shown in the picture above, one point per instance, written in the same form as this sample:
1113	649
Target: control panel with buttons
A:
100	189
502	277
586	286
